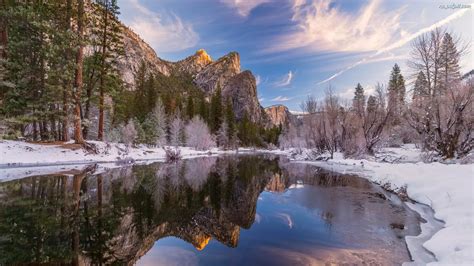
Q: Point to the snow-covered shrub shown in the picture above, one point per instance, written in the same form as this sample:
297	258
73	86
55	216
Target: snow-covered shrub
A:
198	135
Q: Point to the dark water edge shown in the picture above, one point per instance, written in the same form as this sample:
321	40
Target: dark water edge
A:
213	210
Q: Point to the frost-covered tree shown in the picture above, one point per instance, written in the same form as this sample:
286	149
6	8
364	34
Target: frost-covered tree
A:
129	133
198	135
223	135
176	133
443	120
290	138
374	120
331	114
114	135
154	126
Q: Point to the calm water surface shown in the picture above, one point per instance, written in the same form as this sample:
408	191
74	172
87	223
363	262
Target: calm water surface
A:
245	210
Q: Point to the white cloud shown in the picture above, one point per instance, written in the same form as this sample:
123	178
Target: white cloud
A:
244	7
258	79
285	80
322	26
164	31
280	99
401	42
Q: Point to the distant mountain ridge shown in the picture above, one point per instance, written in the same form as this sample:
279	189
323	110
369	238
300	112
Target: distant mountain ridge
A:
280	114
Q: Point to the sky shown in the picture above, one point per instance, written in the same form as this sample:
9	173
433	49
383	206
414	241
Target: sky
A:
297	48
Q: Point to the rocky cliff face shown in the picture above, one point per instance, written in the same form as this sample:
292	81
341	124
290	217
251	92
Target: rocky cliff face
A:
136	51
218	73
242	90
194	64
279	114
208	75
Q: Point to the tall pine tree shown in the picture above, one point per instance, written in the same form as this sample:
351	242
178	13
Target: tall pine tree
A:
449	61
358	103
396	94
78	138
111	48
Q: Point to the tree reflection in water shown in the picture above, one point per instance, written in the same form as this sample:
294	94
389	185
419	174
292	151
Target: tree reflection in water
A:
116	216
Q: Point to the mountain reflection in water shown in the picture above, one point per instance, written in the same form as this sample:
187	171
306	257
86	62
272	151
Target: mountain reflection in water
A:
143	213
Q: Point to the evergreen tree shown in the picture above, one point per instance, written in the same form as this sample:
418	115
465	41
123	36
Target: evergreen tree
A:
109	39
190	108
141	134
215	119
203	110
230	121
154	126
449	61
372	104
396	94
420	89
35	66
223	135
358	103
140	107
78	74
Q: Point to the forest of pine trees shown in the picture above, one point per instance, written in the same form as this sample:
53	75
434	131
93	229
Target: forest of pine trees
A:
60	81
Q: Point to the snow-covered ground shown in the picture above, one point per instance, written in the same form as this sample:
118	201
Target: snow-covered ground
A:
21	159
15	153
447	188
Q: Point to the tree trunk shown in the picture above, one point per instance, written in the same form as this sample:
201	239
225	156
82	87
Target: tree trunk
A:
35	130
3	33
90	87
66	85
78	75
100	134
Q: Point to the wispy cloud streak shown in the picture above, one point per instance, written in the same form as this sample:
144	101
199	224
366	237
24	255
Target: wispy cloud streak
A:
286	80
164	31
323	26
400	43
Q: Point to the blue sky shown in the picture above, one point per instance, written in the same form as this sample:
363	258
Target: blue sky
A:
299	47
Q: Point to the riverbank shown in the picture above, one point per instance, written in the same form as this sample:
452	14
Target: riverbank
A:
447	188
21	159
